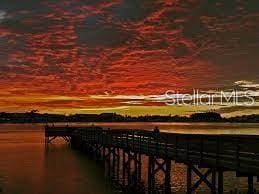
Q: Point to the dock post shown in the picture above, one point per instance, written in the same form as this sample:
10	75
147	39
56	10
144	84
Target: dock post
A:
220	182
250	180
118	165
123	168
135	173
168	176
113	152
128	167
108	161
213	181
139	168
46	140
189	179
151	175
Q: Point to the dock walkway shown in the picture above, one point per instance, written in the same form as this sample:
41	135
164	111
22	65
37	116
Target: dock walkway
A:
217	153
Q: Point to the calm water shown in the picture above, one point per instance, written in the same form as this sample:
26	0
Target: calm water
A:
27	168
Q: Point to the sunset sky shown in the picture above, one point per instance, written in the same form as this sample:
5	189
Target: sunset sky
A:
92	56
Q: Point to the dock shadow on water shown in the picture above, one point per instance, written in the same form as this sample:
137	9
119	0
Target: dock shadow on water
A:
79	173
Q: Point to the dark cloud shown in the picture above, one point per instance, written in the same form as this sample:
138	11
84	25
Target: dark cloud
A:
132	10
226	33
106	36
18	5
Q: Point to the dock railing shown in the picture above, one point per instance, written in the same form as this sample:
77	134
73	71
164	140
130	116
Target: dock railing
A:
235	152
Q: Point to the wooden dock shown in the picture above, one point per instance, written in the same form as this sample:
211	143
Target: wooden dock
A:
123	148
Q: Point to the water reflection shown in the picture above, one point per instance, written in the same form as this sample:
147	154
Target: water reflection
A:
26	167
78	173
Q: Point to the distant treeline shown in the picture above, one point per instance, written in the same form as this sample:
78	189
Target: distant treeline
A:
35	117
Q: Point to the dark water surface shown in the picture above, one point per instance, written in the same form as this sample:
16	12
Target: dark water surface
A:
26	167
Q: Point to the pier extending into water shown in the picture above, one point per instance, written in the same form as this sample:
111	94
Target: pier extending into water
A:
122	150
